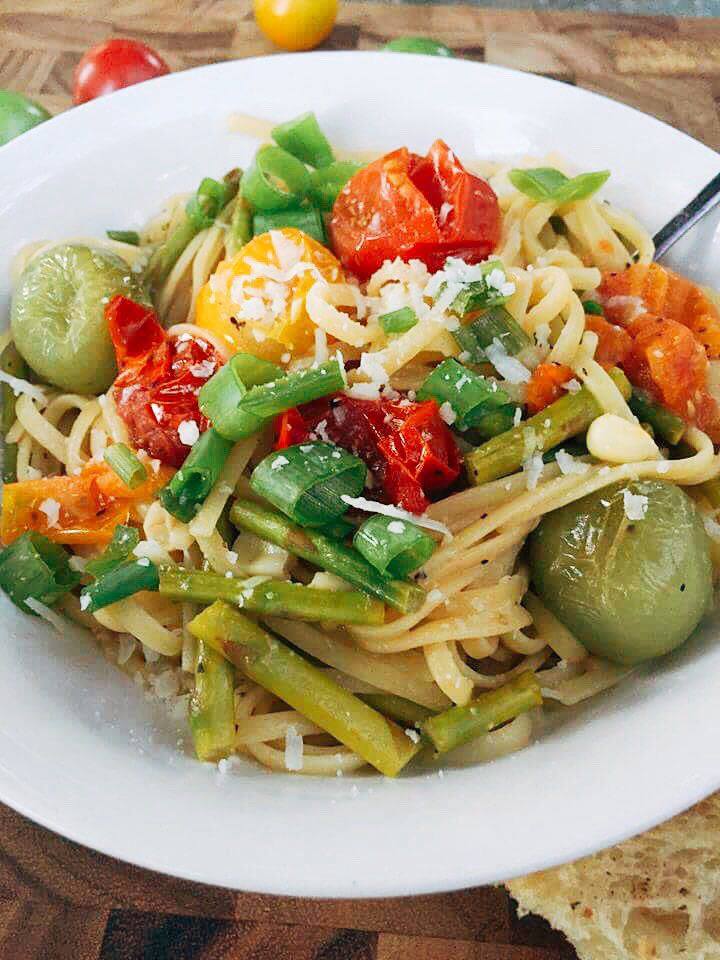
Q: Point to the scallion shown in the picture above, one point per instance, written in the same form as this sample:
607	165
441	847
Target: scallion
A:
205	204
34	568
275	180
256	407
303	138
393	546
307	482
131	237
120	548
306	218
494	324
470	395
593	307
326	184
122	461
192	483
121	582
220	397
398	321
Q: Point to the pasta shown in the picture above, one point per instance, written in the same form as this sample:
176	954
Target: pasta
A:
561	286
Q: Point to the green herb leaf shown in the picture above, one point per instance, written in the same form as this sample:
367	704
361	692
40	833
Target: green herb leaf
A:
547	183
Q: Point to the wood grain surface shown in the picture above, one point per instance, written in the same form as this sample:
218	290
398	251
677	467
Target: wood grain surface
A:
59	900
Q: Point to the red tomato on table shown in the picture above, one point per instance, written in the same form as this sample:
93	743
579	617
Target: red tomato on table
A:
113	65
160	377
408	206
407	446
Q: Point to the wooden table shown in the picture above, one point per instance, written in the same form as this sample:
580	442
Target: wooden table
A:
59	900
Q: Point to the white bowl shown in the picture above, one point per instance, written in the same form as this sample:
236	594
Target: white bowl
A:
83	753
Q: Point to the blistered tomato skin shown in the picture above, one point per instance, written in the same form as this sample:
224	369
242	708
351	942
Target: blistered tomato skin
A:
629	590
58	315
160	377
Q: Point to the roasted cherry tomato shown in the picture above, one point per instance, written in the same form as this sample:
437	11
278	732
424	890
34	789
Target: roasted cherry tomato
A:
406	446
89	506
408	206
546	385
113	65
18	114
159	381
296	24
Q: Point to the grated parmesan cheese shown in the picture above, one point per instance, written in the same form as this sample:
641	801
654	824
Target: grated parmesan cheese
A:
372	506
279	462
635	505
572	386
51	509
293	749
568	463
189	432
447	413
533	468
396	526
19	386
508	367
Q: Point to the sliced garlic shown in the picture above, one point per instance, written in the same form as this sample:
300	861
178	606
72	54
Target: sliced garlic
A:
615	440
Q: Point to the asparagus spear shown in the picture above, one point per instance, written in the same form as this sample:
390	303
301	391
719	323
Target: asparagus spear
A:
273	597
459	725
10	362
406	712
665	424
212	705
316	548
201	211
565	418
240	230
275	666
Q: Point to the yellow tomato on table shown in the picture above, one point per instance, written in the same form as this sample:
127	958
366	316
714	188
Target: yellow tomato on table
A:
255	301
296	24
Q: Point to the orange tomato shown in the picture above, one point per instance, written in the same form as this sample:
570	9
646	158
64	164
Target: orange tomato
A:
546	385
296	24
614	342
664	294
90	505
238	303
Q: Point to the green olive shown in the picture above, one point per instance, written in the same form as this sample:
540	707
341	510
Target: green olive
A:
58	315
628	589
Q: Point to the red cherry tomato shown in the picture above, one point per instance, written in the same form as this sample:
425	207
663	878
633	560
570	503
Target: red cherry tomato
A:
113	65
159	380
408	206
406	446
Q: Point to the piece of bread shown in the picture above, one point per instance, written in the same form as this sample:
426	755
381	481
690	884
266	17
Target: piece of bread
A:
655	897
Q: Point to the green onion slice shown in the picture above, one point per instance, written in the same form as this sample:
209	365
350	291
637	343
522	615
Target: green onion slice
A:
34	568
205	205
122	461
496	323
307	482
398	321
303	138
124	236
275	180
124	540
220	397
192	483
121	582
547	183
307	219
326	184
593	307
240	416
470	395
393	546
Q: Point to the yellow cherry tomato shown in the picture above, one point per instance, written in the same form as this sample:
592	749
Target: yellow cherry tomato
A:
255	301
296	24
